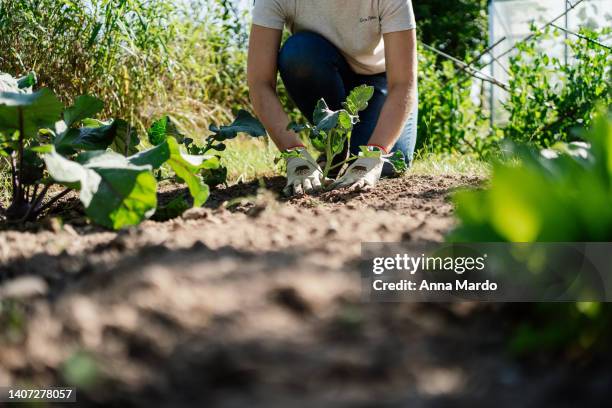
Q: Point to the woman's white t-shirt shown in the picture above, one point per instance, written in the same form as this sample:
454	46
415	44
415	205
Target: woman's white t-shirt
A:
355	27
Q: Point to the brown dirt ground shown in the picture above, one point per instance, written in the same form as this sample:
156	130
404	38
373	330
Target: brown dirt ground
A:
257	304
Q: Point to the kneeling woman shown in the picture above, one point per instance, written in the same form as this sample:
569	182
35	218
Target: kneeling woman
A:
337	45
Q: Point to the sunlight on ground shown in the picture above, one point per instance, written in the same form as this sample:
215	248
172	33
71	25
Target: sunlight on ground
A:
437	165
248	159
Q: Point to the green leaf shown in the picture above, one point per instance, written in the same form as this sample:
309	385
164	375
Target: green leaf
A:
321	112
186	167
398	161
297	128
318	140
73	175
88	138
161	129
358	99
126	141
345	120
27	82
115	192
40	110
326	119
84	107
244	123
365	151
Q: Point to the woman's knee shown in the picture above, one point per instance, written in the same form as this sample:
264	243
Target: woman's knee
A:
304	54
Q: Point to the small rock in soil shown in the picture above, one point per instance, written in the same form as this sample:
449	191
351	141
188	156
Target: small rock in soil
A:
24	288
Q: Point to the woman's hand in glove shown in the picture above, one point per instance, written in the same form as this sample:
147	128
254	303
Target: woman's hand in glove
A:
303	173
365	172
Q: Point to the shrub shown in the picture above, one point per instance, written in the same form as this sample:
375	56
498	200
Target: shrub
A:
449	120
549	98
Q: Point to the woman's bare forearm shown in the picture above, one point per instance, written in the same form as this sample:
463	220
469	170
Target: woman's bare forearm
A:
401	57
269	110
400	102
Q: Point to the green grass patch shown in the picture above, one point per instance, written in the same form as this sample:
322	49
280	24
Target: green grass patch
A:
249	159
448	164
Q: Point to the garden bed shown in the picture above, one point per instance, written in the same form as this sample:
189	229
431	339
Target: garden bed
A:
256	302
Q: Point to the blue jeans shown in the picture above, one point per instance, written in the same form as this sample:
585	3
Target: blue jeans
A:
313	68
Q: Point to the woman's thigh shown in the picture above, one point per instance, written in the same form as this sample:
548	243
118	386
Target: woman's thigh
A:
312	68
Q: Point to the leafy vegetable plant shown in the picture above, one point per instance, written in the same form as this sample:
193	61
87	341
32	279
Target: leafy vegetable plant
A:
45	147
331	130
244	123
561	195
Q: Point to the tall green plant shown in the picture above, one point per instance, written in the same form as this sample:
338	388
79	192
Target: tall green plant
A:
449	120
548	98
111	48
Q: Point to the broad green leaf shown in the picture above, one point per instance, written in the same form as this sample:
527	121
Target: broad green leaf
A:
161	129
125	196
186	167
39	110
115	192
345	120
358	99
126	140
326	119
318	140
338	142
84	107
321	112
72	174
87	138
244	123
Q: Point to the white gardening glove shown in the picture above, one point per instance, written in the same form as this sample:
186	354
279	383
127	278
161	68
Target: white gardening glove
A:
365	172
303	173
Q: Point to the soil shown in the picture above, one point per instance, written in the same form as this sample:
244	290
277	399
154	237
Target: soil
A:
254	301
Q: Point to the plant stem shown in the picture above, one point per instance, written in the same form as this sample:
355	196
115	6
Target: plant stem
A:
34	193
350	159
20	153
328	155
34	203
37	201
11	161
52	201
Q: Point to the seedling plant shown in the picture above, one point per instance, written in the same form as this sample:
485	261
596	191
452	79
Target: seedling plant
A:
331	131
